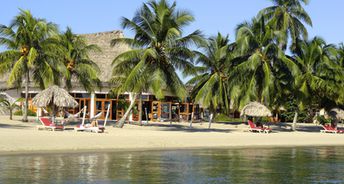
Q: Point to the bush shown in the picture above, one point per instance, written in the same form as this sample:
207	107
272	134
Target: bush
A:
20	113
225	118
322	120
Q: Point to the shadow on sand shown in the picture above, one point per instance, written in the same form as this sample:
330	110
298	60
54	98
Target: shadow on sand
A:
185	128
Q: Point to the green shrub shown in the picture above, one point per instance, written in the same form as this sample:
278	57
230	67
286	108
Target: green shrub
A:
20	113
225	118
322	120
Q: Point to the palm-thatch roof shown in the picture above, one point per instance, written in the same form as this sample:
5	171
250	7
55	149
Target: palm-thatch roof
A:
103	59
336	113
54	95
108	53
255	109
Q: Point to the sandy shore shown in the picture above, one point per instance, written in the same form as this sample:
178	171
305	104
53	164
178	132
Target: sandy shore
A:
18	137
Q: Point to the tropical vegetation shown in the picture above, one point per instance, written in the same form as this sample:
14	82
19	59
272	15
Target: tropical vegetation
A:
9	105
158	50
271	60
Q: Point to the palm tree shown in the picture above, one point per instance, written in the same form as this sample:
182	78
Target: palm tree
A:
210	85
321	74
259	74
32	51
288	17
77	61
10	106
158	49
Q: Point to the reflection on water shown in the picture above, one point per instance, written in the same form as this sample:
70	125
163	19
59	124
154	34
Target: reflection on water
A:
259	165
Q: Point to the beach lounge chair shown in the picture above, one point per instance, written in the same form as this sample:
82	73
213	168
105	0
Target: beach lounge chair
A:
254	128
330	129
48	125
88	127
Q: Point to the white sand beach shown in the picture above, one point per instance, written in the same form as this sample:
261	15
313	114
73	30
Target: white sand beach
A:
19	137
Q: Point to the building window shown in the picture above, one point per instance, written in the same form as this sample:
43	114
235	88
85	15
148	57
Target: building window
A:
103	96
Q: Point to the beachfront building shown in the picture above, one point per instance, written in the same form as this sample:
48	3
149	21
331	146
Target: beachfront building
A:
171	108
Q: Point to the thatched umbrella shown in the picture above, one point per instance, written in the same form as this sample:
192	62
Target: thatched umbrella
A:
336	113
54	96
255	109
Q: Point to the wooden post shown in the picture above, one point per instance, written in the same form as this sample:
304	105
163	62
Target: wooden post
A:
84	116
107	114
210	119
192	117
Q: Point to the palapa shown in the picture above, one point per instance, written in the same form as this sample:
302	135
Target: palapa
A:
336	113
54	95
255	109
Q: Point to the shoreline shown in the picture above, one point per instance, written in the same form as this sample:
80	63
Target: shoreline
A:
18	138
121	150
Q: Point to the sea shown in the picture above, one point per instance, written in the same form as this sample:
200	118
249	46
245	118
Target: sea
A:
235	165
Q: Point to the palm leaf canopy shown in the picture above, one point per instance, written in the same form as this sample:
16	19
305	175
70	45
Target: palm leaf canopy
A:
255	109
56	96
337	113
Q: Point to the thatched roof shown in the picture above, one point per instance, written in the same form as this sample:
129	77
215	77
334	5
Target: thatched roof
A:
255	109
108	53
103	59
54	95
336	113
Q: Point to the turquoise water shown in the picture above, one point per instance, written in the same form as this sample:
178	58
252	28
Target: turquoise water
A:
254	165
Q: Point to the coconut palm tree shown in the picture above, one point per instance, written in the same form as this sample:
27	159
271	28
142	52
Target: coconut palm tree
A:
259	74
210	85
288	17
77	61
32	52
10	106
158	49
321	75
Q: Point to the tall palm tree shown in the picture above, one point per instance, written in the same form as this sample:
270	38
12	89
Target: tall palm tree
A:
32	51
259	74
321	75
158	49
210	85
319	81
78	64
288	16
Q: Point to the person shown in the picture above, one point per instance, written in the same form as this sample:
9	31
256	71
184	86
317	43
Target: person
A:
249	120
259	124
94	123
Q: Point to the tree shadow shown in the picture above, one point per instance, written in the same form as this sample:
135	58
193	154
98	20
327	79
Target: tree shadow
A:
178	127
14	126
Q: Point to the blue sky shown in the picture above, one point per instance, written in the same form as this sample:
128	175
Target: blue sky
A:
212	16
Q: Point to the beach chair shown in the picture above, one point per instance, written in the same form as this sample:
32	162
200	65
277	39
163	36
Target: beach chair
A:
254	128
88	127
48	125
330	129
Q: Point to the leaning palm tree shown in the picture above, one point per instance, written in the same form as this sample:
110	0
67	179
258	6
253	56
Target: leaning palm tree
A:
210	84
257	77
77	61
32	51
158	49
288	17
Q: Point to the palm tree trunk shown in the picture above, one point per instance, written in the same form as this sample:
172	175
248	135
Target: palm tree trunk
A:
140	109
192	117
10	113
132	103
26	105
294	121
210	119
